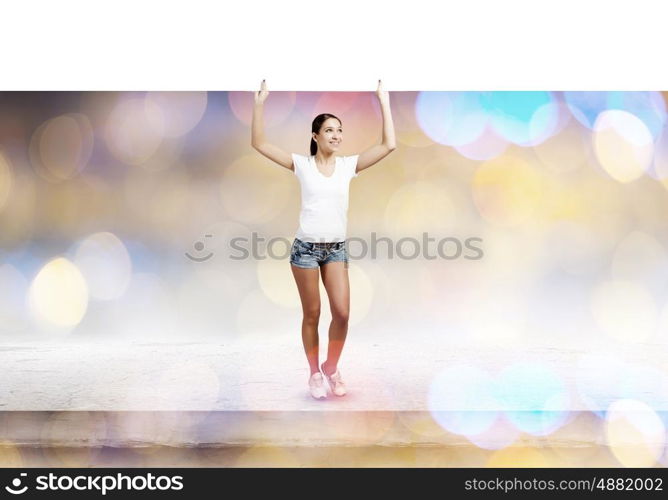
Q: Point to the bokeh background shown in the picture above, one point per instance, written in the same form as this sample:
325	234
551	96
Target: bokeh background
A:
118	210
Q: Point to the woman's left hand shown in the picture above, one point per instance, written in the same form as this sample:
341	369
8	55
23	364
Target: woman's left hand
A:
383	95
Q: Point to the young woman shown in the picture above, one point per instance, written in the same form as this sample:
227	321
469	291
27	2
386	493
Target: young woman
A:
319	246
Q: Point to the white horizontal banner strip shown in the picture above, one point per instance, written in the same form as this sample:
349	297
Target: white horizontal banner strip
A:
333	46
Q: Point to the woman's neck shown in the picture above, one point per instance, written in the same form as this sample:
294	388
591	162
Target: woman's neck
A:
324	159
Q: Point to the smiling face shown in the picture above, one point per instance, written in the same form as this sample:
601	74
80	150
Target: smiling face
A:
330	137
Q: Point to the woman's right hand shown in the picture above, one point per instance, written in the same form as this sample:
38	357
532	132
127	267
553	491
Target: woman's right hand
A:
262	94
382	94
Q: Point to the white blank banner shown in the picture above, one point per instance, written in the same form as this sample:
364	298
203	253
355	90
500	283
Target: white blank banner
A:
341	46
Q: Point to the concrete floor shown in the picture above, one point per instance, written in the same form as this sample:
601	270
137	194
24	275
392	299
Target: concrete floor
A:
70	402
269	373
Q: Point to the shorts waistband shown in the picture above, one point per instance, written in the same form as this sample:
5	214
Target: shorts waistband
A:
321	244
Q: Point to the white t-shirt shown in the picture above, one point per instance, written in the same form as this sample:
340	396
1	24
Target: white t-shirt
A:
324	210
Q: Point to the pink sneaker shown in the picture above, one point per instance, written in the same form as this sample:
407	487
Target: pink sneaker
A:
335	382
317	386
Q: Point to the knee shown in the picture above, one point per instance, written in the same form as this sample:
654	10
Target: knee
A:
340	316
312	315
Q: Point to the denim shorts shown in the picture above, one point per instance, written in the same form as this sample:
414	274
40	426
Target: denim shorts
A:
312	255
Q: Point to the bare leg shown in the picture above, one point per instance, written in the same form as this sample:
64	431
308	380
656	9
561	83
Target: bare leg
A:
309	293
335	279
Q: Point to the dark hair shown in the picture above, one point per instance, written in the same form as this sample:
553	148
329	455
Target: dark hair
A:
315	128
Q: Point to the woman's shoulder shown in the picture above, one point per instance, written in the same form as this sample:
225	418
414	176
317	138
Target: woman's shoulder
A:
299	162
299	157
350	161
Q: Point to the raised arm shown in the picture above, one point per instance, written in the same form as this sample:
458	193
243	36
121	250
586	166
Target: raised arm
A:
258	140
388	144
